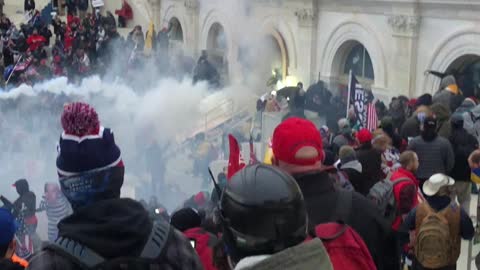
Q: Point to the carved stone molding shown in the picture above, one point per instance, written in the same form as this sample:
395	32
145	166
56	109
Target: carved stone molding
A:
306	17
404	25
192	5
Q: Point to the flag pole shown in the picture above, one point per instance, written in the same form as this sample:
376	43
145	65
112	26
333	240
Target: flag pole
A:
349	90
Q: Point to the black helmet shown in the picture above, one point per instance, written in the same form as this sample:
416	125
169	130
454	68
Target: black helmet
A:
262	211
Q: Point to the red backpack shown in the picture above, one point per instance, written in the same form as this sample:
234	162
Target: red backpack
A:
345	247
203	243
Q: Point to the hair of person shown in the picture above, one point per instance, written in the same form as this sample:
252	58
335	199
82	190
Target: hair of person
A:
475	157
406	158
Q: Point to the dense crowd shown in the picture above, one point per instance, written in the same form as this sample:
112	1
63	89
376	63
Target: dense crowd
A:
89	44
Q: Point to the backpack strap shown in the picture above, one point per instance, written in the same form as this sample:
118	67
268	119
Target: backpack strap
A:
89	259
156	241
400	180
81	254
344	205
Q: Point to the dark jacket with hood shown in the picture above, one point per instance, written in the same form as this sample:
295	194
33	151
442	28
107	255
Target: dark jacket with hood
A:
442	112
323	203
115	228
371	160
411	128
463	145
27	199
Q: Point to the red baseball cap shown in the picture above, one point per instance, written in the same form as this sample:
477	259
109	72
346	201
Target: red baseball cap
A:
364	136
291	136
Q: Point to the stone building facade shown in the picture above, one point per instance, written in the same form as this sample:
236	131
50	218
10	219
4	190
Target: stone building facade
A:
389	44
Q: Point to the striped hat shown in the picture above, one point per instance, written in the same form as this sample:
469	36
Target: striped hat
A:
85	145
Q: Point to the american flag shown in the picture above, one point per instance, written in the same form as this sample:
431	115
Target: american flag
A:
372	118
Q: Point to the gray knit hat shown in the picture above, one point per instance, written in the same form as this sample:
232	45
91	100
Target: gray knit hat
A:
346	154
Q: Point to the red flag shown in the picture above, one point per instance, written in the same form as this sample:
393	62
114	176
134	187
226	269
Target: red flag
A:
253	156
234	161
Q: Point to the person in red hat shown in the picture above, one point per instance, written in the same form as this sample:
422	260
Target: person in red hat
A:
298	149
371	160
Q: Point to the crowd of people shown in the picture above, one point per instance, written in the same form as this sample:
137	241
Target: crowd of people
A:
357	199
88	43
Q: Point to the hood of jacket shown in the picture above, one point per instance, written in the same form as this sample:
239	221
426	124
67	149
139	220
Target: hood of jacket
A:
441	111
22	186
307	256
112	228
354	165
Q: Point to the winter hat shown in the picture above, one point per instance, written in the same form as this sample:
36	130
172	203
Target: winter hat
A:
7	227
346	154
84	144
424	100
89	162
186	218
435	182
364	136
291	136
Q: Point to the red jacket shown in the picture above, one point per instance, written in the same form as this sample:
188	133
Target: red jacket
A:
204	243
35	41
406	194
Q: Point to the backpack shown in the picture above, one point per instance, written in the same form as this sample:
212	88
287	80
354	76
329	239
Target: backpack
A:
88	259
345	247
437	241
384	198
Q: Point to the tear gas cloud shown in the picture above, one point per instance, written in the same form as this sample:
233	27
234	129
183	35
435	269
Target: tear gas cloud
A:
150	109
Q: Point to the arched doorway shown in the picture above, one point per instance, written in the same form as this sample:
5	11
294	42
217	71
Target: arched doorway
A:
352	56
466	70
217	49
175	34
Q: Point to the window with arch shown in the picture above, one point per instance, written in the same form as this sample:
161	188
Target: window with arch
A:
358	60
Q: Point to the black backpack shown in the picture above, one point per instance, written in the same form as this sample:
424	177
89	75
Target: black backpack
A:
87	259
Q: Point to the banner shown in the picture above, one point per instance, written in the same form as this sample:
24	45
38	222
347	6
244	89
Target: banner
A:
98	3
358	99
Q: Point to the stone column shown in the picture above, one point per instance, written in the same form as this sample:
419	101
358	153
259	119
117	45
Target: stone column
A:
402	68
306	41
191	40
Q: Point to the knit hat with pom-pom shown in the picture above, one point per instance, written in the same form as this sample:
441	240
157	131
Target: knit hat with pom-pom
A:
84	144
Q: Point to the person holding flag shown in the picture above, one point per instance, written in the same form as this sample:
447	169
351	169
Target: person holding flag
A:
362	101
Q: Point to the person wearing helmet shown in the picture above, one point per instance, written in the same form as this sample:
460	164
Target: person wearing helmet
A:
264	221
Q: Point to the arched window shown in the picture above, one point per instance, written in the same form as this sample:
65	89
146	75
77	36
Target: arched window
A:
466	70
358	60
175	31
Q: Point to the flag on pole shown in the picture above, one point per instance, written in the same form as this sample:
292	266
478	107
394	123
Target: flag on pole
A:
358	99
362	102
235	160
372	120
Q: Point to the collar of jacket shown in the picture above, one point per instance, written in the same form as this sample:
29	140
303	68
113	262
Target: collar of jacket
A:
314	184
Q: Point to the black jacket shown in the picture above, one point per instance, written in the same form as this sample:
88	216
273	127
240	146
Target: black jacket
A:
26	204
357	180
6	264
371	160
115	228
29	5
322	200
463	145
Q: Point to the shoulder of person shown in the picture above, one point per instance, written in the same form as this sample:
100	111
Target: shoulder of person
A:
50	260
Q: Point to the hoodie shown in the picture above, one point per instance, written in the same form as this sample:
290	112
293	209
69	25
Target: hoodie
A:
115	228
442	112
26	201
